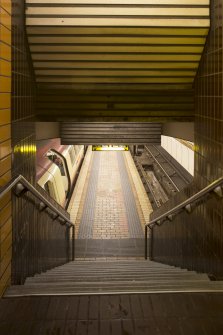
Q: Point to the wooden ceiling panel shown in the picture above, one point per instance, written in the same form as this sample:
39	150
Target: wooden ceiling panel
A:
117	57
127	40
85	65
115	31
118	2
116	45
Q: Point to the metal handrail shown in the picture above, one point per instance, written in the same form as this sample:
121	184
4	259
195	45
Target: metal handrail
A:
22	185
187	205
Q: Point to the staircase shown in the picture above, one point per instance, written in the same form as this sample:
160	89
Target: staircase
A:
114	277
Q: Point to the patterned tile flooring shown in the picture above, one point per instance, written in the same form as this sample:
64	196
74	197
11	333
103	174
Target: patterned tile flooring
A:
109	212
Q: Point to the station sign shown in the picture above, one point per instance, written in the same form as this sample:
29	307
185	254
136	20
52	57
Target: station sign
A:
110	148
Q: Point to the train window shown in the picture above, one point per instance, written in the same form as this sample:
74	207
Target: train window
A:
49	188
56	160
72	155
46	187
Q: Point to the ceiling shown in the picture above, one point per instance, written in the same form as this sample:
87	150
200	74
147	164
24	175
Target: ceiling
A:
116	60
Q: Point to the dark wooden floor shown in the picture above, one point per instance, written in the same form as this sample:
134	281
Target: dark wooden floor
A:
160	314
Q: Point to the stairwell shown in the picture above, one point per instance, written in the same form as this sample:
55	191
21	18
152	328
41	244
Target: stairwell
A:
114	277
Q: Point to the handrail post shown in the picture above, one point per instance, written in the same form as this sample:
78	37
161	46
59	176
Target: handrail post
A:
146	231
73	242
68	242
151	244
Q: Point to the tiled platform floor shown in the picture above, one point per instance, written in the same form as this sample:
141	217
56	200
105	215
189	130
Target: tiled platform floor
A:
139	314
110	208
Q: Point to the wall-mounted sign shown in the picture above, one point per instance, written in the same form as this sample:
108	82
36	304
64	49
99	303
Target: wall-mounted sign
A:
110	148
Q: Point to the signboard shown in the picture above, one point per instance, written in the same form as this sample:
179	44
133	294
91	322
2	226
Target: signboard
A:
110	148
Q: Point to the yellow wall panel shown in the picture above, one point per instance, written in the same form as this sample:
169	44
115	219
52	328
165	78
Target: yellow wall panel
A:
6	261
5	132
5	168
5	101
5	178
5	200
5	279
5	229
5	84
112	31
5	245
5	115
7	5
5	214
5	18
5	149
5	34
5	67
5	51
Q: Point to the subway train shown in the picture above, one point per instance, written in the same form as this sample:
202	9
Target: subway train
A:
58	168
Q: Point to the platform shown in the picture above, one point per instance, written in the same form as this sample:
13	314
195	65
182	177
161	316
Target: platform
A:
109	207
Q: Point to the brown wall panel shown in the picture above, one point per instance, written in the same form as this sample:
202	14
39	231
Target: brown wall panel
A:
29	255
195	241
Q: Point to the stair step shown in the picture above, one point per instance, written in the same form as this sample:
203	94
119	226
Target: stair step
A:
118	273
110	289
106	279
121	283
103	277
88	268
112	270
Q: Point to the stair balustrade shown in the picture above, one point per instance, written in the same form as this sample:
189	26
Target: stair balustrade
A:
46	238
188	206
